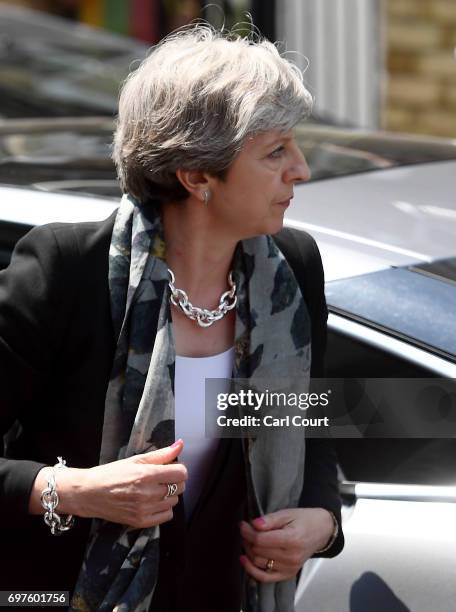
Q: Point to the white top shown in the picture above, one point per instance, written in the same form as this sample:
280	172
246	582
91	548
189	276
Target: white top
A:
189	389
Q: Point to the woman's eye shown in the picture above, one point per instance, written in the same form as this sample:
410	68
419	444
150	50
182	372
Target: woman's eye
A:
277	152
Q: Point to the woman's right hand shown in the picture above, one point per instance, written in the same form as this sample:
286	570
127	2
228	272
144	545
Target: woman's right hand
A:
129	491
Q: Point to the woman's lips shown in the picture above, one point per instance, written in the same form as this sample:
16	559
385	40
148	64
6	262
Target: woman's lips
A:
284	204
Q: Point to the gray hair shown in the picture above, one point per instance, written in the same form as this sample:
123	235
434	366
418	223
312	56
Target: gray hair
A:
193	102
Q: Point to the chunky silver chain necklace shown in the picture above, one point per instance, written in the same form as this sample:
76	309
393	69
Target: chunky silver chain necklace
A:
203	316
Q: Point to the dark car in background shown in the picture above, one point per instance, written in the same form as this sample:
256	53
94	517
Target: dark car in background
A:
60	154
50	67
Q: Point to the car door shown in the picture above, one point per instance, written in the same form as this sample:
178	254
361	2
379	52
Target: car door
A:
399	494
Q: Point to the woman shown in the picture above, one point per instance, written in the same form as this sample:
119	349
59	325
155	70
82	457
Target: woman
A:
105	359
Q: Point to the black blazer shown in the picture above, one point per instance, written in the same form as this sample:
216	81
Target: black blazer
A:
56	349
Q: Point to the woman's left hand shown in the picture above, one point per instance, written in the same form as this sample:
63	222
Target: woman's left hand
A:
288	537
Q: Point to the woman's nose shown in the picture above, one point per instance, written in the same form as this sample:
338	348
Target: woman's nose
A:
298	171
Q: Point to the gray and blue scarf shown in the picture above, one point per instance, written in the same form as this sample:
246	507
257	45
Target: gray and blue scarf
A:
272	339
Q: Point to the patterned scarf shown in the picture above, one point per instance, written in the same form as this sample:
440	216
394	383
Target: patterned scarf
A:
272	339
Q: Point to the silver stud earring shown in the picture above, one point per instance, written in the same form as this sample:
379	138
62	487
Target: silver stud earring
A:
207	195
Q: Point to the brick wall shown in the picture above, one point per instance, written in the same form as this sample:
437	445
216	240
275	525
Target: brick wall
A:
421	64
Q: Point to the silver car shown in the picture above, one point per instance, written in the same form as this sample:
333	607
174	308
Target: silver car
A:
383	211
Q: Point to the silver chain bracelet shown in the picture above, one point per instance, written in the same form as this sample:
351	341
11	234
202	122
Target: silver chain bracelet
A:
50	499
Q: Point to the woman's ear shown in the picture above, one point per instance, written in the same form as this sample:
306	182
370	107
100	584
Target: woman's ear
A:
195	182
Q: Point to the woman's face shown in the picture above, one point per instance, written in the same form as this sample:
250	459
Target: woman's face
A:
259	185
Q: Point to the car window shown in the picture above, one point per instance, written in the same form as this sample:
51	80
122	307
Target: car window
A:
412	461
415	304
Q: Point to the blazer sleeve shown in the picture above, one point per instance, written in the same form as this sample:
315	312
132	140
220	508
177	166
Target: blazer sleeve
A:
30	303
321	486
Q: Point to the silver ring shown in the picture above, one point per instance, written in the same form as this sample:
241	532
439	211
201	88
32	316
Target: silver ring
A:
270	565
172	490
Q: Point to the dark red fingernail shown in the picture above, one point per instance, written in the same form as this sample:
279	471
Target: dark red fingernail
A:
243	559
259	522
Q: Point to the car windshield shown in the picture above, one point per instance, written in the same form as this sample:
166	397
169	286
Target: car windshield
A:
332	151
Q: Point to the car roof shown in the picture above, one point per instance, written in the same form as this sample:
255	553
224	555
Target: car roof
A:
24	206
374	220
